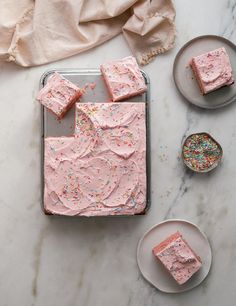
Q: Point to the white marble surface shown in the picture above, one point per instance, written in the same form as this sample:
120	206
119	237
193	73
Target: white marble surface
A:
56	261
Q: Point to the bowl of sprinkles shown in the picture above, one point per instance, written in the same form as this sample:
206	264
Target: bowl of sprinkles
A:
201	153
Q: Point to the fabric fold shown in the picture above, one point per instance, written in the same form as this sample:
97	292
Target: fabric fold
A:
38	32
150	30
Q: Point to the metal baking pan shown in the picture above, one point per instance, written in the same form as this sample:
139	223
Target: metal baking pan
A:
51	126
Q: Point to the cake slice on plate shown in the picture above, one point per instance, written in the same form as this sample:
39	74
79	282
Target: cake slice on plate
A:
212	70
178	258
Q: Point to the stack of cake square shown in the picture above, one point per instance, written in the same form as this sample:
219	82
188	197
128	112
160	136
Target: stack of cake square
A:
101	169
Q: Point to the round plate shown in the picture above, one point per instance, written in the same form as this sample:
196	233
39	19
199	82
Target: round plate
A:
155	273
185	80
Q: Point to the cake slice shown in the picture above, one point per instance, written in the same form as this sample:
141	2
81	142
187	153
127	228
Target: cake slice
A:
58	95
123	78
212	70
178	258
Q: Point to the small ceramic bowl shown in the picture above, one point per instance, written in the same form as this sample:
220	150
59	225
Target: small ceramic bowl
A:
201	152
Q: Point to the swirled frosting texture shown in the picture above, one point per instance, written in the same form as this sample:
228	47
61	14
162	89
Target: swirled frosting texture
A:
123	78
213	70
102	169
178	258
58	95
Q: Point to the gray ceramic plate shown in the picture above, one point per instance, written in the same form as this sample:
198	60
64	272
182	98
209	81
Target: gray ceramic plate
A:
186	82
154	272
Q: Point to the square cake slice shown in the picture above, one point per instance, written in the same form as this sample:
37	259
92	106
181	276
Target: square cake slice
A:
178	258
212	70
123	78
59	95
100	171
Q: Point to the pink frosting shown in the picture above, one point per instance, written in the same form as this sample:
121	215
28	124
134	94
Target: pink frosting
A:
213	69
123	78
59	94
102	170
179	260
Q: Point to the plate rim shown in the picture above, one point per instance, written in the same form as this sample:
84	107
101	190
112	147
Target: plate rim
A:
227	41
170	221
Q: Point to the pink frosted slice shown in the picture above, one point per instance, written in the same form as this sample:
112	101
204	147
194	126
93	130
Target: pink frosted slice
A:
59	95
212	70
178	258
123	78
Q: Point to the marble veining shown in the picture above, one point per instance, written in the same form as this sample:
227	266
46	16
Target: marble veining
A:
76	262
229	20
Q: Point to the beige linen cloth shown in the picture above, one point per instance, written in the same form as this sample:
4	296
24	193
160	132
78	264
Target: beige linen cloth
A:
41	31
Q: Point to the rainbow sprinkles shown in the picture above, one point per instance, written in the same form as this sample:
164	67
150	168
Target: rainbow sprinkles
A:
201	153
101	170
